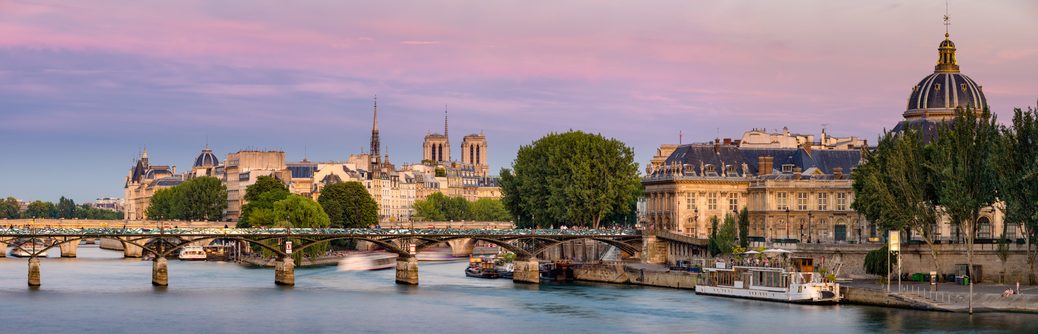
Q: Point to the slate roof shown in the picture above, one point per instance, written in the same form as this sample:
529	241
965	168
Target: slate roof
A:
697	159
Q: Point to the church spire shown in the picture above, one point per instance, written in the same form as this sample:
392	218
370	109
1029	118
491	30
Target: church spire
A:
445	134
373	162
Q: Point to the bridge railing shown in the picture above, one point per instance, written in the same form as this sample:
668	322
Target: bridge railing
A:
43	232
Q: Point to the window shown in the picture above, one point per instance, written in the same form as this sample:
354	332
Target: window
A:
690	199
802	201
841	201
733	202
787	168
710	169
780	200
711	201
730	170
823	201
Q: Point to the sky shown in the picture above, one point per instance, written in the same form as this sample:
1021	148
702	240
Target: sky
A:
85	85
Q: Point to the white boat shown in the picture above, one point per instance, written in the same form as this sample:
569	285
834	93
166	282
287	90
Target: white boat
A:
367	261
192	253
26	249
796	283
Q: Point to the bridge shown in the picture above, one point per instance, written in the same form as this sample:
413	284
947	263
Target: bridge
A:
527	244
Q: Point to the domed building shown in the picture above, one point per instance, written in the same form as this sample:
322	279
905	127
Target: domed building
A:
205	163
936	97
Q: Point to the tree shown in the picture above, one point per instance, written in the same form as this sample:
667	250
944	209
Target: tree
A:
9	208
876	262
40	209
726	235
66	208
894	188
964	174
260	213
712	246
299	211
744	228
263	185
573	178
202	198
164	205
428	210
439	207
1016	170
488	209
349	205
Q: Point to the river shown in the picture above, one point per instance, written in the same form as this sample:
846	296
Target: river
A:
100	292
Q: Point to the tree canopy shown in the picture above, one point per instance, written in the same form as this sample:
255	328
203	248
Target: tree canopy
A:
349	205
572	178
439	207
9	208
200	198
259	210
1016	171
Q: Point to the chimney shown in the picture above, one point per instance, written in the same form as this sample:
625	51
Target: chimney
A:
764	165
838	172
796	173
717	146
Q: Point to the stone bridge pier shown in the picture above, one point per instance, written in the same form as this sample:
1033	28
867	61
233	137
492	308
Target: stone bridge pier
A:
3	247
285	271
407	269
68	248
462	247
34	271
131	249
526	270
159	271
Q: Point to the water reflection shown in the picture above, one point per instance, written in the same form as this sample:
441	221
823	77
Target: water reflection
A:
112	294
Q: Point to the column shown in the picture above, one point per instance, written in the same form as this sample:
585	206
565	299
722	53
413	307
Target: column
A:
34	271
68	248
159	272
407	269
526	270
3	248
285	271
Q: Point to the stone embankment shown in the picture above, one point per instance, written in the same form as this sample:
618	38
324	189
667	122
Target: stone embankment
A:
946	301
636	273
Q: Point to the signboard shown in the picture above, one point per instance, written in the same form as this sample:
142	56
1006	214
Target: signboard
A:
288	247
413	250
894	241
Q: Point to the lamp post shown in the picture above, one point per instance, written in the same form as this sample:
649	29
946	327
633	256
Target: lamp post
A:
695	224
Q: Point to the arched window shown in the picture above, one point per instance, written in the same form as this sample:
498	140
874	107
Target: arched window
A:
983	228
478	160
472	153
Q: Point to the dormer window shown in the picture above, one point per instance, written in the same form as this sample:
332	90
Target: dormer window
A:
730	170
710	169
787	168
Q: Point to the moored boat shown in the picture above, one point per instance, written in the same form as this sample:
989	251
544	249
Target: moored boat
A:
27	248
795	282
367	261
192	253
481	267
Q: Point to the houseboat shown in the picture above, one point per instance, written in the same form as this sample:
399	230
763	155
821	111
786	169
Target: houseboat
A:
481	267
796	282
27	248
367	261
192	253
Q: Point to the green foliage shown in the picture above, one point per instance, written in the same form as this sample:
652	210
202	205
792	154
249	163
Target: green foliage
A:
725	236
1016	173
893	188
66	208
40	209
876	261
349	205
712	246
201	198
573	178
744	229
299	211
260	213
439	207
264	184
9	208
86	212
488	209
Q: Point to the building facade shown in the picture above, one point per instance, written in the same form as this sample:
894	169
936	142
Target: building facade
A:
142	180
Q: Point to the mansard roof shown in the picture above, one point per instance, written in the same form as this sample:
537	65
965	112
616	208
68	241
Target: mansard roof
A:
697	159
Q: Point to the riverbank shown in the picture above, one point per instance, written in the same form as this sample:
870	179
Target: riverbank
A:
948	298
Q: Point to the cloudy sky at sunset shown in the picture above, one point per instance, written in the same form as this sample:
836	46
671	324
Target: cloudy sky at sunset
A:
84	85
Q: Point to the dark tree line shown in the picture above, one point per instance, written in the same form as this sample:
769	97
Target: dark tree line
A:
65	208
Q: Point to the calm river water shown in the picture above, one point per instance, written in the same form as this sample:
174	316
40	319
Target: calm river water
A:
100	292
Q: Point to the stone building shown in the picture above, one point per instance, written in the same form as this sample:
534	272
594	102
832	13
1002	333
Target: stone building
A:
474	152
436	148
242	168
142	180
696	182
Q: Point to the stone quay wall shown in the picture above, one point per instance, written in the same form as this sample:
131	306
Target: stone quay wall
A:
917	259
621	273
